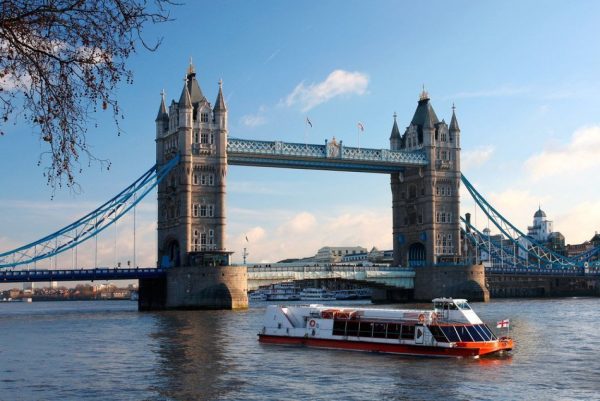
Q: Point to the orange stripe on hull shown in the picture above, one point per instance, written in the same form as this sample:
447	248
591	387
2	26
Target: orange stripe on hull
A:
472	350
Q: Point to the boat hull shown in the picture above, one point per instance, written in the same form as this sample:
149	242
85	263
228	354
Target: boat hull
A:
461	350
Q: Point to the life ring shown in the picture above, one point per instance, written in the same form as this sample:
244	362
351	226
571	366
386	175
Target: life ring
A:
312	323
421	318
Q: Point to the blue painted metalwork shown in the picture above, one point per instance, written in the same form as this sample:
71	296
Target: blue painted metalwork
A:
514	235
89	225
321	157
10	276
513	264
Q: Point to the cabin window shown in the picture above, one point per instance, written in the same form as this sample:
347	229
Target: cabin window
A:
393	330
463	306
463	333
339	327
487	331
450	333
474	333
482	332
352	328
408	332
379	330
366	329
438	334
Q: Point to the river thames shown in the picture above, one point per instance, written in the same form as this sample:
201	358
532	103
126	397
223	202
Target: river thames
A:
109	351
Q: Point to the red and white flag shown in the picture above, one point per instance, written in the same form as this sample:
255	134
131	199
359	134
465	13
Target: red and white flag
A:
503	323
360	126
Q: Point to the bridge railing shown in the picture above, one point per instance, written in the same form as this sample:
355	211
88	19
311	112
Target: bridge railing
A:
290	149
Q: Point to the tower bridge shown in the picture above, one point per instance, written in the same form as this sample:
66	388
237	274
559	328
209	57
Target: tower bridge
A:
432	252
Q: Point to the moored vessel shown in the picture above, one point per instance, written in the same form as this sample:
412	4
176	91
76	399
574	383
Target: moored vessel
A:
451	329
316	294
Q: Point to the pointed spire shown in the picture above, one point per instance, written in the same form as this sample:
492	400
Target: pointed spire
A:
454	122
429	119
424	95
184	100
220	102
395	131
191	69
162	110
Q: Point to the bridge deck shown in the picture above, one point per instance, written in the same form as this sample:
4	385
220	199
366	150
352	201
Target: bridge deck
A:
245	152
79	275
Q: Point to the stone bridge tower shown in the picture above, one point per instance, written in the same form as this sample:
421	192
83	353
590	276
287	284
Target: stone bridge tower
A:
426	200
426	209
191	200
191	206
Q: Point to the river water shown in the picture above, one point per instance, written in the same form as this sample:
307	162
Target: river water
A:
109	351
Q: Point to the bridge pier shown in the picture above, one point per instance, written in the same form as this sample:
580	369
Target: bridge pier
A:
451	281
196	287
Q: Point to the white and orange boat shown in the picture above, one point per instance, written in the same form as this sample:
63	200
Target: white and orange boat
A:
451	329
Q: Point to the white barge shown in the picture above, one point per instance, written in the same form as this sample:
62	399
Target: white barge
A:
451	329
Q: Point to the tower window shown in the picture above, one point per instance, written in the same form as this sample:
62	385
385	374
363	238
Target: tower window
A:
204	137
195	179
203	179
210	210
204	117
195	210
202	210
211	179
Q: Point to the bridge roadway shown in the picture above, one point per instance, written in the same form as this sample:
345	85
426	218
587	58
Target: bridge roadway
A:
399	277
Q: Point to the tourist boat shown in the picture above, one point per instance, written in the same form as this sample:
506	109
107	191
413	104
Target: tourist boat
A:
316	294
356	293
257	296
451	329
285	291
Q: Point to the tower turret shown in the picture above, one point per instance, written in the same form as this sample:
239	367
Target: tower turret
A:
220	110
185	108
395	139
454	128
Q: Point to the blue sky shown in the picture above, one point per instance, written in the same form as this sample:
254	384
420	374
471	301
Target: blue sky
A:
525	80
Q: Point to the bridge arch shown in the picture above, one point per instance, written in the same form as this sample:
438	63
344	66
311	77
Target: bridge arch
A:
417	254
171	255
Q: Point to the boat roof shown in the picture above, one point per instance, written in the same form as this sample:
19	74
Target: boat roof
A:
449	300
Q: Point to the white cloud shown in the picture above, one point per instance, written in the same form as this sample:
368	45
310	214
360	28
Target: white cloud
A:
578	156
476	157
302	234
253	120
339	82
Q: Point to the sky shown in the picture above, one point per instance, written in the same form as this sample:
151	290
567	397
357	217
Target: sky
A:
524	78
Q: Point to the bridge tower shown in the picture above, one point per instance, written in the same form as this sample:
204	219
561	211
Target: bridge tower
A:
426	207
191	203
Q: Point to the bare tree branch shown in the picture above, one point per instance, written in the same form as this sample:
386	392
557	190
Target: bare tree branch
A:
62	59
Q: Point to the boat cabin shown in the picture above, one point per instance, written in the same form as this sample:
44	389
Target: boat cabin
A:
454	310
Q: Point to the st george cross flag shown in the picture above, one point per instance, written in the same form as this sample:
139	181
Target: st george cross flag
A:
503	323
361	126
308	122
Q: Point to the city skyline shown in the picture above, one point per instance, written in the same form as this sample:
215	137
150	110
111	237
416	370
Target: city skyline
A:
524	101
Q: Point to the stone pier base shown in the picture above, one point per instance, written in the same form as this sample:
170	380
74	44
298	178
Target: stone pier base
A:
196	287
451	281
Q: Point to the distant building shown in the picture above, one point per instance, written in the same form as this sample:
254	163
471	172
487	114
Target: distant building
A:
335	254
373	256
28	286
542	227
